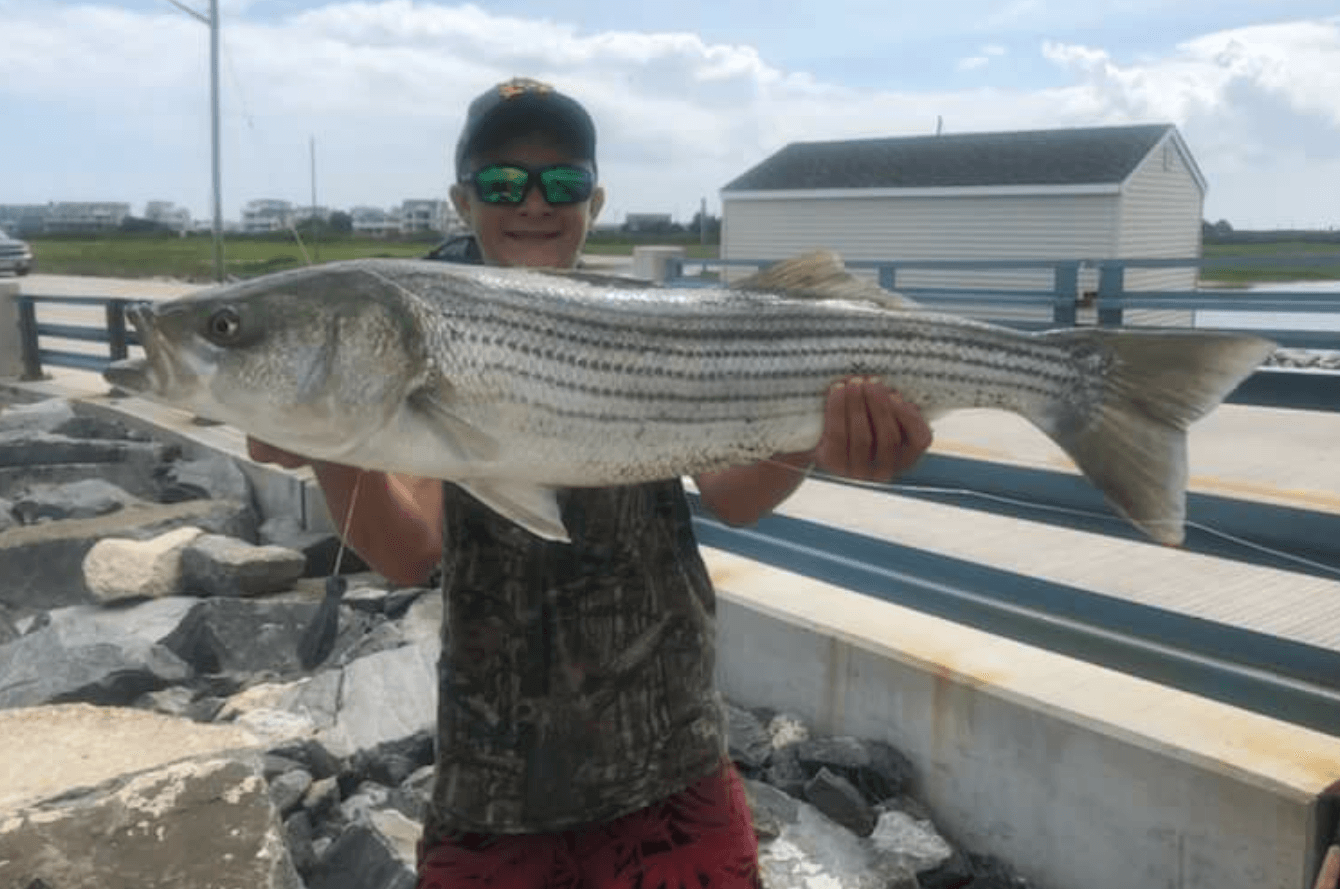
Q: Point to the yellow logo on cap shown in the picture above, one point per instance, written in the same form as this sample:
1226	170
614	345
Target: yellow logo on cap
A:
519	86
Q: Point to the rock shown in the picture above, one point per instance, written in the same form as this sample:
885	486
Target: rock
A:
322	799
387	696
411	797
298	836
47	667
7	519
136	477
149	620
916	843
838	799
46	416
83	499
785	729
772	809
149	830
749	744
875	768
52	750
22	447
319	548
954	873
391	763
287	790
42	565
208	478
215	565
117	569
313	756
817	852
786	773
242	636
363	857
989	872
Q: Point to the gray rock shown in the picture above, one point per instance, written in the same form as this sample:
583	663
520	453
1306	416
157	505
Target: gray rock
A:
7	519
117	569
42	565
200	822
215	565
84	499
149	620
312	754
43	667
322	799
23	447
363	857
955	873
875	768
816	851
411	797
287	790
989	872
368	798
786	773
838	799
916	843
319	549
242	637
749	743
387	696
208	478
772	809
785	729
46	416
298	836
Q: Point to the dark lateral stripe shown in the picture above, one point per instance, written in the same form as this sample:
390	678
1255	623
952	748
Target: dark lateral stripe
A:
809	361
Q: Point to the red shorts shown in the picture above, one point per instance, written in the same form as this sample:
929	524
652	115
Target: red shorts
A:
700	838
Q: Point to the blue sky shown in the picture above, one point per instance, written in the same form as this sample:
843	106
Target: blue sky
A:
107	100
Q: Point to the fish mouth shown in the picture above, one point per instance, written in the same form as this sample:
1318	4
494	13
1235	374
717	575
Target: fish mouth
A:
154	374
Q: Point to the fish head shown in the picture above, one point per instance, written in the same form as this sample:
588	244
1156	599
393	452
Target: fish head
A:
312	360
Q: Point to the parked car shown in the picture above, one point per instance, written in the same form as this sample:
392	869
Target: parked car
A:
15	255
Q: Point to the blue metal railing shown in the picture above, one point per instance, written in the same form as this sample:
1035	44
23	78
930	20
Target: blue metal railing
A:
114	334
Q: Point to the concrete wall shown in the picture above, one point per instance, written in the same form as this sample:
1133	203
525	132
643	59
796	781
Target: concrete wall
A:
1077	775
11	347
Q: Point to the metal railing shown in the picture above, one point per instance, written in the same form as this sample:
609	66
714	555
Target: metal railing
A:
115	334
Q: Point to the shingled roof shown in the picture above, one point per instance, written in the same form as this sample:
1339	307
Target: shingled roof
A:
1089	156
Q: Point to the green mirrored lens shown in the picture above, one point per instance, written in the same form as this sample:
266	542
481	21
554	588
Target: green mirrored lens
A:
501	184
566	185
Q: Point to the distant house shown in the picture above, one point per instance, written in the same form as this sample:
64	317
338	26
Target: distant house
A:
642	223
426	215
374	222
267	215
85	216
168	214
1092	193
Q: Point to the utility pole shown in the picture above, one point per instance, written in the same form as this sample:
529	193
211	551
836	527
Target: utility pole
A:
214	135
316	238
213	22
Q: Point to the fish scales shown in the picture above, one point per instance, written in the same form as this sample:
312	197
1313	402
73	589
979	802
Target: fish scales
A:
513	382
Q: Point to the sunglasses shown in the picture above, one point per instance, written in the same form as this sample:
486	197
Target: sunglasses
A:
510	183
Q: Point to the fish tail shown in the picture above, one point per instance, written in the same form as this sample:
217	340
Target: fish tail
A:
1125	426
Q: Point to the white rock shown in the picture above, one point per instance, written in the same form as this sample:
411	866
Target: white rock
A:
786	729
117	569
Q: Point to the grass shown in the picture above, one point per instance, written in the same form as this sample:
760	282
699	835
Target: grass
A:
1325	268
192	258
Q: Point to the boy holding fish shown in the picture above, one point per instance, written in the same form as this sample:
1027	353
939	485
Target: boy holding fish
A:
580	739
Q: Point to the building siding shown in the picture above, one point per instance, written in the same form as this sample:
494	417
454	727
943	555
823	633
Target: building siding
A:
1161	210
954	228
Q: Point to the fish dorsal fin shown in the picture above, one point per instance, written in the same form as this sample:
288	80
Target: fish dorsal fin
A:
533	507
820	274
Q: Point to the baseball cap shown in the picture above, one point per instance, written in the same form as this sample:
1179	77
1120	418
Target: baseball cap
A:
518	106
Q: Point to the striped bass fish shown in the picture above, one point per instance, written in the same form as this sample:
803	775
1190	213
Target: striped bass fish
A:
515	382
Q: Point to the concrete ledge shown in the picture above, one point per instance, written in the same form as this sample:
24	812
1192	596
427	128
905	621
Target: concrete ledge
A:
1077	775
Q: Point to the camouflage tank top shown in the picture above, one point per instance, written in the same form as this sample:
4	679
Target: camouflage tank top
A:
575	680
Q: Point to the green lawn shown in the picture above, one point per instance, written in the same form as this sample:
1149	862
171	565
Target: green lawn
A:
192	258
1326	269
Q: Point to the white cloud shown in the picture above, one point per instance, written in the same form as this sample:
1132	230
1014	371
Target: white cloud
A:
383	87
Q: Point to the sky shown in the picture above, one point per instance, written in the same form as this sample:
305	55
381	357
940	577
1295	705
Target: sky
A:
108	100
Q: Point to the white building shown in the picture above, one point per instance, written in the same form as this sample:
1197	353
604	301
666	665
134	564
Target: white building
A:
374	222
418	215
267	215
169	214
85	216
1093	193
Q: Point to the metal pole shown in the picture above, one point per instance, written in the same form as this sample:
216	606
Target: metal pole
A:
316	238
214	130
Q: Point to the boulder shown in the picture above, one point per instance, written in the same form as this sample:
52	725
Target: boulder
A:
748	742
42	565
83	499
47	666
873	767
151	830
214	565
388	696
368	855
771	808
207	478
116	569
838	799
815	851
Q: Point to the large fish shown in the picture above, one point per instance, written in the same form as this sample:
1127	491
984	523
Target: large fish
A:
515	382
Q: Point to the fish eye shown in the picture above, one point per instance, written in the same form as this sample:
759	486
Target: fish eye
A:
224	325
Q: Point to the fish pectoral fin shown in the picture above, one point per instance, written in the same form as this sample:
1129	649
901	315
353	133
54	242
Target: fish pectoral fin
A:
531	506
820	274
466	442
